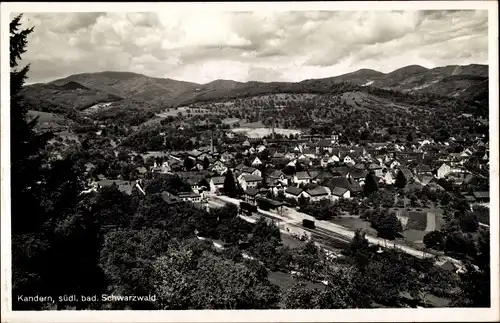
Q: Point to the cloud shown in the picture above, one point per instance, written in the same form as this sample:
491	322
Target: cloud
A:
262	45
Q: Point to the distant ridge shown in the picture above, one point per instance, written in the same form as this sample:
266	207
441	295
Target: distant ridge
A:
453	81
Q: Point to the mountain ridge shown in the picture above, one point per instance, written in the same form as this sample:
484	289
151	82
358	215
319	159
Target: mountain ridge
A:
452	81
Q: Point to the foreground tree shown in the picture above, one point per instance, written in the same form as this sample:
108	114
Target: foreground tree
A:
229	184
191	279
371	185
400	180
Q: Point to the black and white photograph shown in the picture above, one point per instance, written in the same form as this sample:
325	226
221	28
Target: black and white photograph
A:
250	156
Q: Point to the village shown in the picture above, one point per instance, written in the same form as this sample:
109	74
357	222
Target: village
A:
287	175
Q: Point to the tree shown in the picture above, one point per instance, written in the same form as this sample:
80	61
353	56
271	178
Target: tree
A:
409	138
26	145
386	223
359	248
299	296
206	163
188	163
229	184
433	239
185	279
371	185
400	180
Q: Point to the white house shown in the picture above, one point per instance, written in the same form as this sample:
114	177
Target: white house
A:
190	197
251	171
443	170
249	181
388	178
339	192
348	160
317	194
293	192
302	178
393	164
219	167
216	184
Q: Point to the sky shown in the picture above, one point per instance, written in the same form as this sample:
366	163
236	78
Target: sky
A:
251	46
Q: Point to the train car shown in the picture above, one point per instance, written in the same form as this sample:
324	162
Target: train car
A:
308	223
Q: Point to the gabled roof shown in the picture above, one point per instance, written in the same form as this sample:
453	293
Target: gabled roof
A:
248	169
302	175
252	178
195	153
318	191
406	172
342	182
340	171
339	191
360	166
293	190
324	175
358	173
188	195
313	174
252	191
483	195
218	180
374	166
276	174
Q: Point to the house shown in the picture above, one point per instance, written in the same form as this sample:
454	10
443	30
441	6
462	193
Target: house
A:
170	198
123	186
340	192
189	197
423	169
197	155
388	178
317	194
256	162
325	145
377	169
216	184
251	194
219	167
290	155
279	176
309	153
313	174
246	143
302	178
358	175
293	192
482	197
423	179
247	181
348	160
250	171
322	176
342	182
393	164
406	173
261	148
340	171
443	170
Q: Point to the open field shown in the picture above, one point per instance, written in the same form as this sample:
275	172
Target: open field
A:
96	108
